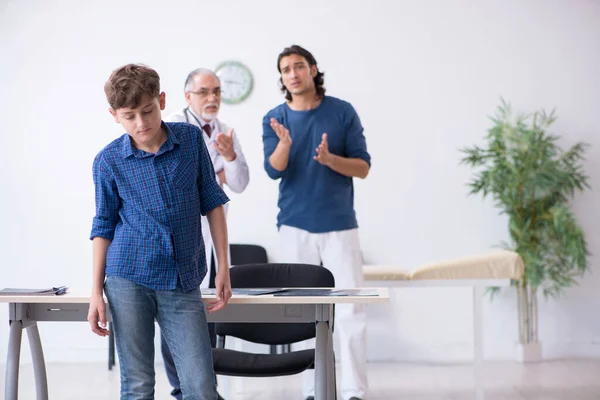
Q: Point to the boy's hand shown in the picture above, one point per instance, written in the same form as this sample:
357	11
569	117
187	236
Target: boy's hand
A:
223	289
97	316
224	145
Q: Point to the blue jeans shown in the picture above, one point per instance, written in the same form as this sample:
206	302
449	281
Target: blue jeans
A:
170	365
164	347
182	319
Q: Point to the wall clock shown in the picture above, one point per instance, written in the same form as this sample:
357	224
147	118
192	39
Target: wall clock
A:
236	81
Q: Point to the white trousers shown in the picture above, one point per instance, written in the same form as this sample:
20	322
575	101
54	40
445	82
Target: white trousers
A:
340	253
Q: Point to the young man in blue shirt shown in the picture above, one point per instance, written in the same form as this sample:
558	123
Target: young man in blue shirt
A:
152	186
314	144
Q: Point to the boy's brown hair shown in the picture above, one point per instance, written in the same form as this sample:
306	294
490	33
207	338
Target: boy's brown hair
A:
128	84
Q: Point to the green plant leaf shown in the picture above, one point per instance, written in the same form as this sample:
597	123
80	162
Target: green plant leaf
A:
532	181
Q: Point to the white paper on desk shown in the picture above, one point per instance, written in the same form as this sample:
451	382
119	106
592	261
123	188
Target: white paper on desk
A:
326	292
242	291
33	292
354	292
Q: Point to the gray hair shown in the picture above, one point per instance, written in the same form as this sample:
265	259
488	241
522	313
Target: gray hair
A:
198	71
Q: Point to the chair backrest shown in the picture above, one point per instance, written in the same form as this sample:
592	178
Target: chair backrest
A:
275	276
247	254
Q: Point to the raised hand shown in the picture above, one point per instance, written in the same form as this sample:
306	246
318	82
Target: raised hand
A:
282	133
323	155
224	145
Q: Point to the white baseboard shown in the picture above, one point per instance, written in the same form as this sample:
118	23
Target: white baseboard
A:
384	348
572	349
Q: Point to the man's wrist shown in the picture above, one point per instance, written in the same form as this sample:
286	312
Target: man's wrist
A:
231	158
332	160
284	144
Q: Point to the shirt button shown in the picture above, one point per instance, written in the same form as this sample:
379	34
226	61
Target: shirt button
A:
168	206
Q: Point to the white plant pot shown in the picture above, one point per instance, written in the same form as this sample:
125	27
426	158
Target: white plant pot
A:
529	352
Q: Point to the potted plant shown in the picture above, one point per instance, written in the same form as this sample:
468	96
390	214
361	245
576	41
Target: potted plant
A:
532	179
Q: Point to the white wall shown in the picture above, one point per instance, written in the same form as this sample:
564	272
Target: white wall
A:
423	75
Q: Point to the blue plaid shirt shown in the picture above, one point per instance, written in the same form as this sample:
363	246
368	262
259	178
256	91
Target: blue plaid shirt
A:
149	205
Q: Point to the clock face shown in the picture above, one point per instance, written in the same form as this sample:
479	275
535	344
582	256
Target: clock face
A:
236	81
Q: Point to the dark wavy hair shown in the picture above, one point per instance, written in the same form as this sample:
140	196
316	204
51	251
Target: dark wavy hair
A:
318	79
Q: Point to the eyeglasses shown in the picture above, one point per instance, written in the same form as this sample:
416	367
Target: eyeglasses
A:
205	92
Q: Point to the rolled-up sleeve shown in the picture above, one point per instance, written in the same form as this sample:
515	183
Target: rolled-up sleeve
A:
356	144
107	202
270	142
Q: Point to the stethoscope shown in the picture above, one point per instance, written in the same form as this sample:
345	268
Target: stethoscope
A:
187	111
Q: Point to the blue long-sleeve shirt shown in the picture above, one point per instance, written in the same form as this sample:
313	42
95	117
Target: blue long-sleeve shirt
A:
149	206
312	196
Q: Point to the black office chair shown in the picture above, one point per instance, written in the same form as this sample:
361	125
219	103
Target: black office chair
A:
237	363
242	254
247	254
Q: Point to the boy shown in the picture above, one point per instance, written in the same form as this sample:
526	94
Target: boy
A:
152	185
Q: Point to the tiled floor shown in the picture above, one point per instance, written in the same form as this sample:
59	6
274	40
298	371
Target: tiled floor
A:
552	380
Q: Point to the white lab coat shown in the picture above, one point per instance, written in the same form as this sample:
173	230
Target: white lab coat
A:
236	172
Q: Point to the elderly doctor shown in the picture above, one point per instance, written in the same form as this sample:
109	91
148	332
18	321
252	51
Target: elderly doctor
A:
203	96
